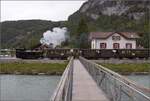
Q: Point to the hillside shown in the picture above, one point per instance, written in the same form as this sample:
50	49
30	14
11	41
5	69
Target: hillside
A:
25	33
113	15
94	15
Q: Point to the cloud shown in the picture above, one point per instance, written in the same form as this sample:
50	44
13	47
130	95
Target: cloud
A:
46	10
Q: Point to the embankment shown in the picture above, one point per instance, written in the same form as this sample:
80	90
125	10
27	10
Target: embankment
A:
32	67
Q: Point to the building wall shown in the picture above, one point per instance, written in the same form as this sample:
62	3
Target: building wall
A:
95	44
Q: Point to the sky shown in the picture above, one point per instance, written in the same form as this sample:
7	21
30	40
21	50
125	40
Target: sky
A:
44	10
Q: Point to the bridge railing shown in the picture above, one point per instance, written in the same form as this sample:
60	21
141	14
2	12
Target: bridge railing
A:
63	91
116	87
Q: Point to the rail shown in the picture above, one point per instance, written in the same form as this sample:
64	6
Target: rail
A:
63	91
116	87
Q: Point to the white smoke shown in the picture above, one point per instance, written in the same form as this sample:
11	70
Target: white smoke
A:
56	36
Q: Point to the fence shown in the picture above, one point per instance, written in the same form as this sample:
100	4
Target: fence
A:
7	52
115	86
63	91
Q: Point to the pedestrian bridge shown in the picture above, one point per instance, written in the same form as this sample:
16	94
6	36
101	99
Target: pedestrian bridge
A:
84	80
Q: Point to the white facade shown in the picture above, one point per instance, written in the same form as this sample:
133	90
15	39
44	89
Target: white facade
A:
95	43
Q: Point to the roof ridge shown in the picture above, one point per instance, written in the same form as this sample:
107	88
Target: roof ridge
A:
104	35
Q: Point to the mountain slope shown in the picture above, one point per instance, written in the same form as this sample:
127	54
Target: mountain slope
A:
24	33
113	15
134	9
127	9
94	15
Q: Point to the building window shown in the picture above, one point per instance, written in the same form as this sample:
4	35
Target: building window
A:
128	45
116	38
103	45
116	45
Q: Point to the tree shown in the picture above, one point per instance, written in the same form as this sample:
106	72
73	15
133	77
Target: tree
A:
144	40
84	41
82	34
82	27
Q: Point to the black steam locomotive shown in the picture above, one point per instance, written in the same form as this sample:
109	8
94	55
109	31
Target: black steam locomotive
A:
87	53
29	54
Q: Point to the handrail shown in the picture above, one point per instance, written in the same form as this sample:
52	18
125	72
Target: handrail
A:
64	89
116	87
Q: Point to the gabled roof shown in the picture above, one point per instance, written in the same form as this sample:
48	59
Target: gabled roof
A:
105	35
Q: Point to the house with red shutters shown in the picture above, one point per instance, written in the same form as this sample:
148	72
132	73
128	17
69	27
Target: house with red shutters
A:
113	40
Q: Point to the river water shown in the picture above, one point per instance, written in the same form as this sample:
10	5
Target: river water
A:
142	80
27	88
39	88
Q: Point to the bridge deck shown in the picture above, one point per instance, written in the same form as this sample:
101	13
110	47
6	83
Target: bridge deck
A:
84	87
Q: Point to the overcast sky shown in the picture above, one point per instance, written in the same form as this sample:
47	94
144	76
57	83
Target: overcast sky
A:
45	10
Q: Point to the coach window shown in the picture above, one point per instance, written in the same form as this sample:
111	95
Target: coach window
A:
103	45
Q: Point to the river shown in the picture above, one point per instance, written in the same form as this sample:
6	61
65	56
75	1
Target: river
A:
39	88
142	80
27	88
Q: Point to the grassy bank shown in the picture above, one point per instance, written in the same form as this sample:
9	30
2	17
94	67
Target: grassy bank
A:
129	68
32	68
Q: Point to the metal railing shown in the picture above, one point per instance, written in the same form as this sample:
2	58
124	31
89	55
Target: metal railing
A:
7	53
63	91
115	86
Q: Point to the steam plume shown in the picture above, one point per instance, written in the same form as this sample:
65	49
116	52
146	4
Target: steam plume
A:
56	36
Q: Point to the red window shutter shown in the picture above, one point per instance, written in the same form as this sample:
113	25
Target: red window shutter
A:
105	45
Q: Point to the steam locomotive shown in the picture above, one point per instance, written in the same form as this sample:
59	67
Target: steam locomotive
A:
29	54
87	53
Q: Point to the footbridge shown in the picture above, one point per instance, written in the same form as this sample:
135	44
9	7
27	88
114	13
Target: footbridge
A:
84	80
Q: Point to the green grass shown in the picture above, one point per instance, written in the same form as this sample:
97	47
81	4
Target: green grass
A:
128	68
32	68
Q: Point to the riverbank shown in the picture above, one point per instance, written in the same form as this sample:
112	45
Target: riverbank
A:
129	68
122	61
45	60
32	68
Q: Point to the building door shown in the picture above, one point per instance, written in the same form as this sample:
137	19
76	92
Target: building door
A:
128	45
116	45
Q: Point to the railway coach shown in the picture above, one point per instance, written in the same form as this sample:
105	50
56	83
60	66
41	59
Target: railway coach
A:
87	53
